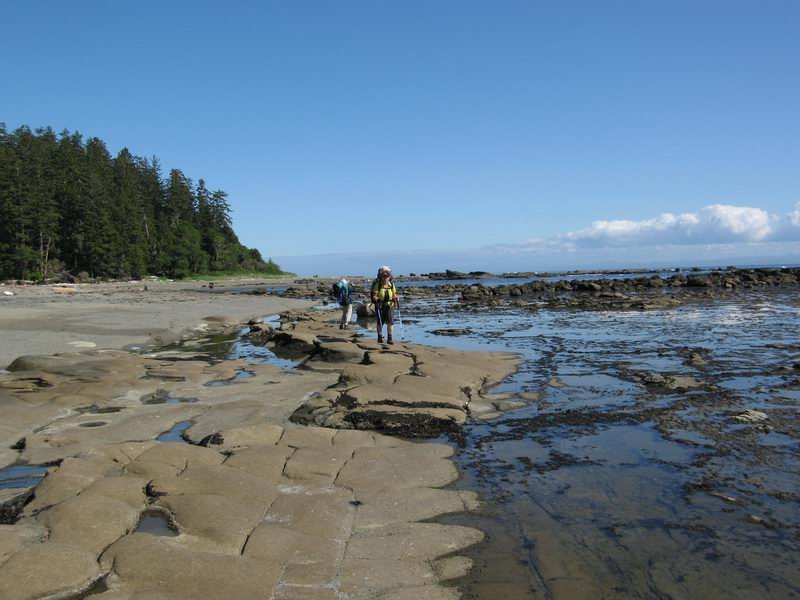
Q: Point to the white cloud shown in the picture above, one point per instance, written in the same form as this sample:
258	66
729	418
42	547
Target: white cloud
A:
716	224
717	235
794	216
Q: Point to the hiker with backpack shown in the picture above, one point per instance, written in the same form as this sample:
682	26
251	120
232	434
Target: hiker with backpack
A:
384	297
342	291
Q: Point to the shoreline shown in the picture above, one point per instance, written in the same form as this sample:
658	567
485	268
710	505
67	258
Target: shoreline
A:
38	319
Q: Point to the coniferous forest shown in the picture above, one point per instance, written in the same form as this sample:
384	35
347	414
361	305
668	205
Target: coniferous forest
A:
68	206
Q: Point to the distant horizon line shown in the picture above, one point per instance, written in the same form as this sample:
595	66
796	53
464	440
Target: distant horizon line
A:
676	266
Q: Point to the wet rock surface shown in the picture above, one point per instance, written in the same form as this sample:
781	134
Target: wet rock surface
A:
658	457
630	454
404	389
614	291
281	512
254	505
632	293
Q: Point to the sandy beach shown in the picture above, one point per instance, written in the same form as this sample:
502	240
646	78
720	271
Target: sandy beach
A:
45	319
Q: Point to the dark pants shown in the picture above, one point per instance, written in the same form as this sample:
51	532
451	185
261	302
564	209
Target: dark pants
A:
385	313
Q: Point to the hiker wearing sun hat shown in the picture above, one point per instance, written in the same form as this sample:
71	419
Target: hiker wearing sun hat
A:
384	297
342	291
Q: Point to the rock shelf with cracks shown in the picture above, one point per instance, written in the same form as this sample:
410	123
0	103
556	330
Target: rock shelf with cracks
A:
263	507
413	391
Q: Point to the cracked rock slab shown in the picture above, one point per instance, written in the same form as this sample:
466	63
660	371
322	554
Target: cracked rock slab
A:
263	508
146	563
46	570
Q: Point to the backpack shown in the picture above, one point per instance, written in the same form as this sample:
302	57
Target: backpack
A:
385	295
342	293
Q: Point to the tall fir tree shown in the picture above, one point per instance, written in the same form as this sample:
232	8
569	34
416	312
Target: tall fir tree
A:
68	207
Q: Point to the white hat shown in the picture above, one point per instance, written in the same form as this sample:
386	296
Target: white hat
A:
343	281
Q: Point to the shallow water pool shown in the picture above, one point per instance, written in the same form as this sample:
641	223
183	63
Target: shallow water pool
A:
614	485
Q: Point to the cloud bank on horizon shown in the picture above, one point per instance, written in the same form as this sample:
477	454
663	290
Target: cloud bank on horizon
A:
711	225
715	234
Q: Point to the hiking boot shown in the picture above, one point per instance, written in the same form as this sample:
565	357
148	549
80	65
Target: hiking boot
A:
389	340
341	326
380	339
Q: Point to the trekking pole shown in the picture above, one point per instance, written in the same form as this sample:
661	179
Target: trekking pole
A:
378	314
400	321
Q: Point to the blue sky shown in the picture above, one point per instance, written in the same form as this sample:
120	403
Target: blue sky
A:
524	131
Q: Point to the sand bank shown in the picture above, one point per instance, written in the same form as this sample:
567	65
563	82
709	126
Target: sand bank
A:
45	320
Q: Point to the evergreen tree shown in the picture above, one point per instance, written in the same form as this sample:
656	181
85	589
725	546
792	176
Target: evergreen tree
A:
71	187
98	233
16	258
66	205
130	247
153	199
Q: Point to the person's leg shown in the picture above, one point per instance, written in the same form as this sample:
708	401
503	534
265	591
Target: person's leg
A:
389	324
348	314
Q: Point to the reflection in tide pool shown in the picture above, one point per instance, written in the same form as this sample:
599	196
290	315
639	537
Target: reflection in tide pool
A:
613	485
21	476
244	348
156	522
176	433
235	346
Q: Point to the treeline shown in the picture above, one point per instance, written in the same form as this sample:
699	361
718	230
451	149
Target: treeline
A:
68	206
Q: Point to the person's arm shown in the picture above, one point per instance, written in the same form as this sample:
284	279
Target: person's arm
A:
395	296
374	293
